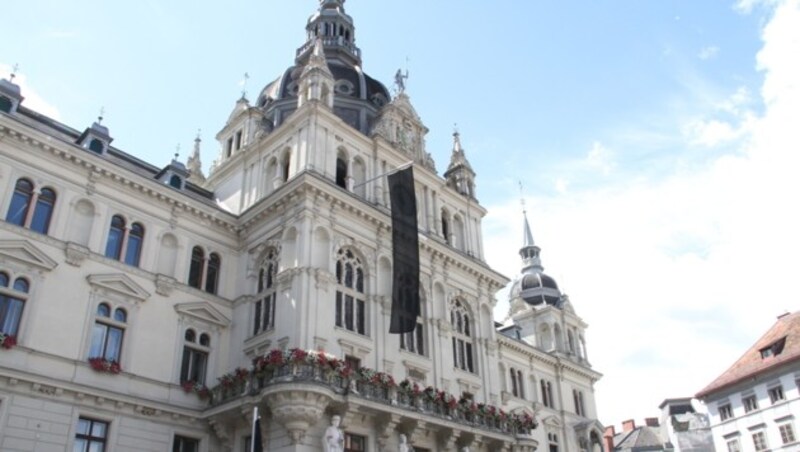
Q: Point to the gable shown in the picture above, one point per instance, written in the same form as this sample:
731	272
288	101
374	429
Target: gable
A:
120	284
25	253
204	312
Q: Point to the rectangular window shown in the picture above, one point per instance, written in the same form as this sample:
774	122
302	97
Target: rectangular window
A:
733	445
264	315
184	444
106	342
776	394
91	436
238	140
354	443
760	441
787	433
725	412
750	403
193	365
229	147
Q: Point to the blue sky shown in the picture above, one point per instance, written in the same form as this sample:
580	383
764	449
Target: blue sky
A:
654	140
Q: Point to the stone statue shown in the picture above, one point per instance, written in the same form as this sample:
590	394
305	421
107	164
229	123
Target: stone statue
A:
400	80
333	441
404	447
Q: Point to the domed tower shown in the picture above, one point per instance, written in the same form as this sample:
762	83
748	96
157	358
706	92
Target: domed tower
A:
357	96
543	315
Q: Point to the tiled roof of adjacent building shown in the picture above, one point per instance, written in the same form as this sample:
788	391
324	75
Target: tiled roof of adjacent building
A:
779	346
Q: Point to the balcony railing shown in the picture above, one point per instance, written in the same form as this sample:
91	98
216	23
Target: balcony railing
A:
429	402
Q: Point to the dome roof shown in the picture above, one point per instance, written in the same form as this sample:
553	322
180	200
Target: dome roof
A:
537	289
538	281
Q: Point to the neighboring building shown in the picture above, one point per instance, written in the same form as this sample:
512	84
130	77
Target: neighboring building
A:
152	309
755	404
680	429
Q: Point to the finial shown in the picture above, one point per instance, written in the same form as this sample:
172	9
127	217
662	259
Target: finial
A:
13	72
177	151
197	138
243	84
455	129
522	198
100	116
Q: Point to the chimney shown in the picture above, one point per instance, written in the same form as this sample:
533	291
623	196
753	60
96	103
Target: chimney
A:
628	425
608	438
651	421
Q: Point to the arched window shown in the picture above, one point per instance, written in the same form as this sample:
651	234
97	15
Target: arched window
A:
24	197
108	333
547	393
577	399
350	303
204	273
552	440
5	104
462	337
12	302
96	146
571	342
264	315
195	357
446	226
341	171
120	238
175	181
286	162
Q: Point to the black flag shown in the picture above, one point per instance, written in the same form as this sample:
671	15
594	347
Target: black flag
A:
405	252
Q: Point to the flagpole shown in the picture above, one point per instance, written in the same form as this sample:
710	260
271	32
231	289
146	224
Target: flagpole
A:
253	430
399	168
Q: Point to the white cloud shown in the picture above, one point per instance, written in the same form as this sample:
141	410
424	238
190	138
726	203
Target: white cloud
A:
600	158
32	99
707	53
677	277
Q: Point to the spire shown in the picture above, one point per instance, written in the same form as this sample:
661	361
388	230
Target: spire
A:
529	251
459	174
316	81
193	163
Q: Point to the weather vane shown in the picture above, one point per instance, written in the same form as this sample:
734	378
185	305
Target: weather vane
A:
177	151
100	116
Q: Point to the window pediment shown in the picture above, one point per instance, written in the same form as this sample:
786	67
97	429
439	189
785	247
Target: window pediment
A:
552	422
26	254
119	284
203	312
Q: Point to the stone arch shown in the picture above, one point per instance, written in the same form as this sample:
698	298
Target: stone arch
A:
272	175
342	167
80	226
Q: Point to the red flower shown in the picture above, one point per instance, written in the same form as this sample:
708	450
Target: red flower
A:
104	365
8	341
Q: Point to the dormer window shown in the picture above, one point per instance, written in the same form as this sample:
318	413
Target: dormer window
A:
773	349
175	181
5	104
96	146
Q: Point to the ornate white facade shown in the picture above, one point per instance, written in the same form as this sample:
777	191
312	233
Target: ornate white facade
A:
146	309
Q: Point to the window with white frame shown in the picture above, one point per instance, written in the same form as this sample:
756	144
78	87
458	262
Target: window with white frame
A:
733	445
108	332
725	411
13	295
577	399
91	435
414	341
204	271
749	402
194	361
462	337
182	443
264	314
123	243
760	440
776	394
517	388
552	440
787	433
29	208
350	299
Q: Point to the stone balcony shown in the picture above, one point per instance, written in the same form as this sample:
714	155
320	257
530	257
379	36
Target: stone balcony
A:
298	395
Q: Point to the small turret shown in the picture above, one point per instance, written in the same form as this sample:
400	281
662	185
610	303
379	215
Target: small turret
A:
459	174
194	165
316	81
10	94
